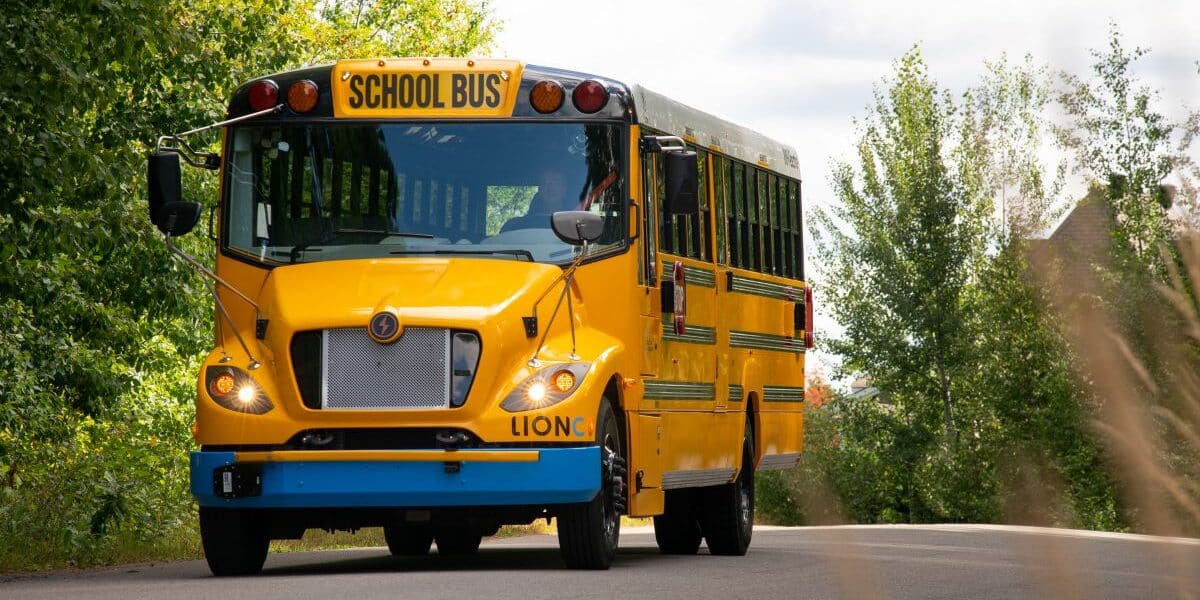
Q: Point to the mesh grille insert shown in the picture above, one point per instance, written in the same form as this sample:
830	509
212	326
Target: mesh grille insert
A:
413	372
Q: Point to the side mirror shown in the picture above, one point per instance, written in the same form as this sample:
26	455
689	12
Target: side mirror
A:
682	174
163	182
178	218
577	227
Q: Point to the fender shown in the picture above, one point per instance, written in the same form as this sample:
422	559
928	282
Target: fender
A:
751	380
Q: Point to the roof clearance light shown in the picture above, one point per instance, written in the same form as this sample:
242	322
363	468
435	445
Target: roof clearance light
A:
547	96
302	96
589	96
263	94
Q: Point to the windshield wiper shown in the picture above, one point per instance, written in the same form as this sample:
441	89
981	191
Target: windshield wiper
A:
294	253
513	252
386	232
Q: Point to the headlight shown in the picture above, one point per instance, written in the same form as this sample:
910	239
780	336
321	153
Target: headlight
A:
464	358
232	388
547	387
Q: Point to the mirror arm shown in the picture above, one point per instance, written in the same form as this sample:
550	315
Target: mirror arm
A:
208	272
568	276
204	160
254	364
651	144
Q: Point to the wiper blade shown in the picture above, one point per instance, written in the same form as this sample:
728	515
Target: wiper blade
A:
387	232
294	253
513	252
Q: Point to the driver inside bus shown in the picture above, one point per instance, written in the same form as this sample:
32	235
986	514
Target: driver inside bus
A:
550	198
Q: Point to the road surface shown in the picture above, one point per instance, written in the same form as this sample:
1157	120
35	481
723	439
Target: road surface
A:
952	561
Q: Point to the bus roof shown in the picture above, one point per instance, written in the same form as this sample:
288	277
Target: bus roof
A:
664	114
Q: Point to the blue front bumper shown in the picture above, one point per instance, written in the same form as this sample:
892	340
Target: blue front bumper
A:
558	476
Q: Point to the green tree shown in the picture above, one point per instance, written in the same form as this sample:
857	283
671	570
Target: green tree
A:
915	217
898	256
1121	140
943	310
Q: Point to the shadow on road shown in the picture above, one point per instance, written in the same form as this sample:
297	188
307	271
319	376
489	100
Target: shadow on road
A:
499	558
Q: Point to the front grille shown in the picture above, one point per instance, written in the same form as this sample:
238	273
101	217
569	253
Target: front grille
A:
413	372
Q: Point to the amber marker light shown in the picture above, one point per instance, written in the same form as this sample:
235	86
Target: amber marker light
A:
222	384
302	96
546	96
564	381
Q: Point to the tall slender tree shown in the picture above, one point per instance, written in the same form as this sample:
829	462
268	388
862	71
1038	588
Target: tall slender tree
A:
897	252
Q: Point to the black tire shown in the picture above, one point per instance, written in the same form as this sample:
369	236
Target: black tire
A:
235	541
677	530
457	542
727	517
588	532
408	540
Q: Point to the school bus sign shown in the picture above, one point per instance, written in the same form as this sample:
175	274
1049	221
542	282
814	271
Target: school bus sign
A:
425	87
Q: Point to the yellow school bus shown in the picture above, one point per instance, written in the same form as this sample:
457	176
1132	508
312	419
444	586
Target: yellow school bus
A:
453	294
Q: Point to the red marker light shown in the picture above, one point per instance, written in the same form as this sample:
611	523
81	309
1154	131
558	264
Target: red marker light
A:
263	95
589	96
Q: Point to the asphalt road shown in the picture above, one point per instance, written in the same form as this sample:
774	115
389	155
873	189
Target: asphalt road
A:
963	561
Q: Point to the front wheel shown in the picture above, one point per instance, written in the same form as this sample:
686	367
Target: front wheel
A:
234	541
588	532
728	514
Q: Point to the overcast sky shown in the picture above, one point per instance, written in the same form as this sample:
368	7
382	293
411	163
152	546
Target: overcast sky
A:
800	71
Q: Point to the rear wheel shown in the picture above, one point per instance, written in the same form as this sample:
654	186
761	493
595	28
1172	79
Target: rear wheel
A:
588	531
234	540
677	530
408	540
457	542
728	514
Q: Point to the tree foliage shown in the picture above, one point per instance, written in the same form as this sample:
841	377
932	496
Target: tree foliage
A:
915	213
941	308
1122	140
100	329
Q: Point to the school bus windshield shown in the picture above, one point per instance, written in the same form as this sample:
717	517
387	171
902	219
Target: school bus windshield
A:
315	192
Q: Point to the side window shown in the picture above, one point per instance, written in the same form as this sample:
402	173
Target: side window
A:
701	229
777	225
766	205
796	204
755	225
668	233
650	206
737	215
788	264
720	211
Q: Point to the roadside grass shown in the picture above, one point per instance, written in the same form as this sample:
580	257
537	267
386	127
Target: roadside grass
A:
120	548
